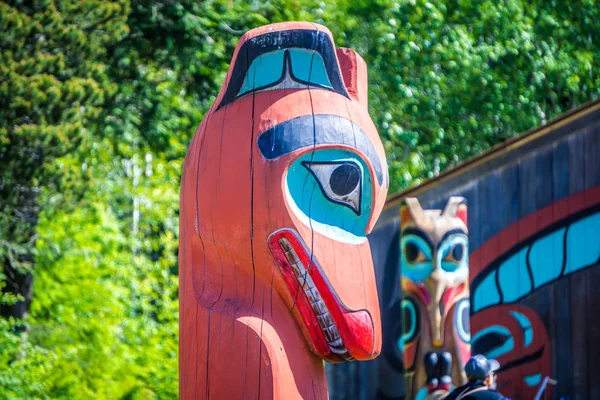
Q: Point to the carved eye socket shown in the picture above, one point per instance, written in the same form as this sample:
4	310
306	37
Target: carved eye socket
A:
413	253
461	320
340	182
456	254
410	320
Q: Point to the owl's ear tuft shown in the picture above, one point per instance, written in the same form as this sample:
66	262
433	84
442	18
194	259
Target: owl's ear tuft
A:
405	215
411	210
461	213
456	207
354	71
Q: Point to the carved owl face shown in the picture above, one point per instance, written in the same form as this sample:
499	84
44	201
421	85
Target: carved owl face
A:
435	276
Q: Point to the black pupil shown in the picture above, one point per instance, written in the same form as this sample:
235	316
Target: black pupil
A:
457	252
411	251
344	179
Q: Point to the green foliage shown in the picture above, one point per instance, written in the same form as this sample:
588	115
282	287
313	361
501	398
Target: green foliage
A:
104	98
450	78
53	83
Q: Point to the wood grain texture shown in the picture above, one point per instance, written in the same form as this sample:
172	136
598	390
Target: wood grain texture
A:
518	193
282	182
578	291
434	258
592	329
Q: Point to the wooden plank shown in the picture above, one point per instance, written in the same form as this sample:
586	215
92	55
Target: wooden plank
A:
474	220
578	286
502	154
389	380
367	377
471	194
592	179
542	299
562	366
508	205
490	206
527	205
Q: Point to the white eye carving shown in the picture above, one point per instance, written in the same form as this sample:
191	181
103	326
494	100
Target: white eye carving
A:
340	181
461	320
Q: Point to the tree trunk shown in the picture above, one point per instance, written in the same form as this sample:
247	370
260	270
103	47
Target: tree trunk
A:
19	244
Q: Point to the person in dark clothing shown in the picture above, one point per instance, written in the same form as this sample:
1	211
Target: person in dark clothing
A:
481	373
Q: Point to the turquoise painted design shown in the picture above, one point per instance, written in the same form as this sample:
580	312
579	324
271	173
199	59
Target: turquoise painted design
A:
583	243
506	347
513	276
533	380
525	325
418	271
408	334
309	200
486	293
462	325
547	254
421	394
306	66
540	262
265	70
444	255
400	342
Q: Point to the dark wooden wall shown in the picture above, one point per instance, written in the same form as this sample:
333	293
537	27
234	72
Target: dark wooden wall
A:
554	166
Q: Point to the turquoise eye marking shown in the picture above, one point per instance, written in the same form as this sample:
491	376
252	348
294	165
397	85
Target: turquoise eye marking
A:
302	66
525	325
533	380
340	181
265	70
461	320
334	202
449	256
308	66
499	331
409	327
416	258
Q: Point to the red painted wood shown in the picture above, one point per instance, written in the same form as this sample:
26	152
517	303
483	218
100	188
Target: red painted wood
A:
246	328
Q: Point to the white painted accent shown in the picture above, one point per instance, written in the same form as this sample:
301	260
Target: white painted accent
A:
330	231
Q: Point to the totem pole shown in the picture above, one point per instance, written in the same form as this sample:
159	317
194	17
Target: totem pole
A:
435	307
282	182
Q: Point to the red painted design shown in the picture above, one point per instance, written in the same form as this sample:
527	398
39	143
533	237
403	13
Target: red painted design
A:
462	214
355	327
317	339
528	226
535	357
523	360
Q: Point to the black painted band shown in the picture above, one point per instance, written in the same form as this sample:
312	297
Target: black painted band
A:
295	38
304	132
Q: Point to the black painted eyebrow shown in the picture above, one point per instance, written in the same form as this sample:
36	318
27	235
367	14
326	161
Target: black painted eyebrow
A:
418	232
304	132
451	232
294	38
